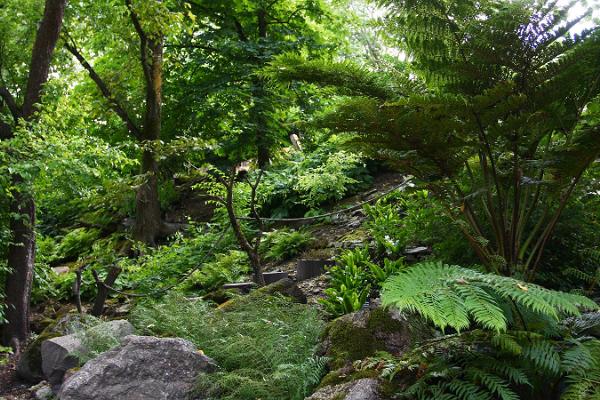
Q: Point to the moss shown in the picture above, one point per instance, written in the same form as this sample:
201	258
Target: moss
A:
381	321
349	342
30	364
360	335
359	235
219	296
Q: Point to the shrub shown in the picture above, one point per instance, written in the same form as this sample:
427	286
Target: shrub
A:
305	181
509	366
227	267
284	244
76	242
328	181
202	247
265	346
515	349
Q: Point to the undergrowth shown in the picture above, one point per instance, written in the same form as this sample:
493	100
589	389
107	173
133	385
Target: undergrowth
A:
264	346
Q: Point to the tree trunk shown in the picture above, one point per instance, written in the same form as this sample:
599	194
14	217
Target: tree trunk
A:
147	206
21	259
21	251
259	94
103	291
148	220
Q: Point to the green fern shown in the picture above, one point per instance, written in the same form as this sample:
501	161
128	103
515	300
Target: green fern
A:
475	365
581	364
455	297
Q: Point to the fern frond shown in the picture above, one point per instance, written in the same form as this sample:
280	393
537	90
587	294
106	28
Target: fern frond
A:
347	77
452	296
493	383
543	355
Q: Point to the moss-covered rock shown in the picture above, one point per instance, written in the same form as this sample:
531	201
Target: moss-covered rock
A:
286	287
29	366
363	333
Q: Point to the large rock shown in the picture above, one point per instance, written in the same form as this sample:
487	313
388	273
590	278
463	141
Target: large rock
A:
142	368
361	389
61	353
361	334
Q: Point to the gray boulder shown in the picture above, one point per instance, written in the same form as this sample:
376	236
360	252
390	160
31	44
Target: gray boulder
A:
361	389
141	368
61	353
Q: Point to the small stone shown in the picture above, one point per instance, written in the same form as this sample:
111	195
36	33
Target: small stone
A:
61	270
42	391
417	251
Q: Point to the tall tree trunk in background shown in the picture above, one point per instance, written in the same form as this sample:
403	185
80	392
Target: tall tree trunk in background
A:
148	221
21	250
260	123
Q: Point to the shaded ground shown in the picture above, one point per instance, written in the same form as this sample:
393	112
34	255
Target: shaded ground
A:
10	387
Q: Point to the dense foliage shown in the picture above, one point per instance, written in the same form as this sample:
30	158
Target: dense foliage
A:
441	156
496	115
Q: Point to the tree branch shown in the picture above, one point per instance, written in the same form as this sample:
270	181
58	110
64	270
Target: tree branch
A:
240	30
275	21
143	43
112	101
192	46
10	102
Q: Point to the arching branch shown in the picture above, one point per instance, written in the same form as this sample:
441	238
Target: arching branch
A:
103	87
143	43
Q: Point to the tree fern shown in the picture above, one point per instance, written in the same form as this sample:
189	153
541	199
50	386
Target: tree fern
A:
498	116
455	297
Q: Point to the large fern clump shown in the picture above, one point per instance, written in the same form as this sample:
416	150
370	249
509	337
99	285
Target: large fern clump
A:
264	345
452	296
507	366
509	343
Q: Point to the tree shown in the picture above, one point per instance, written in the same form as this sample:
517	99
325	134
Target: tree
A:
231	41
498	116
151	34
21	250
